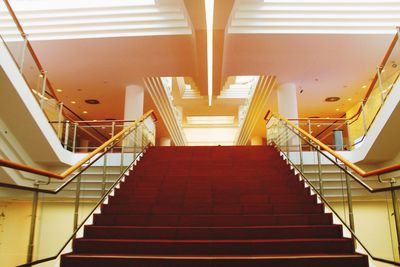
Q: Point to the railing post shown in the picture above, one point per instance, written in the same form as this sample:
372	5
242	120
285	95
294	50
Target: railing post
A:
301	155
74	137
321	188
364	117
59	127
309	126
77	200
348	135
396	215
31	243
22	60
112	132
349	200
103	182
43	93
122	155
380	84
66	135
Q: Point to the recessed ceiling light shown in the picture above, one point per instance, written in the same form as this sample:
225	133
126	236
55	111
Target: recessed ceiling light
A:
337	109
59	90
332	99
85	112
73	102
92	101
364	86
349	99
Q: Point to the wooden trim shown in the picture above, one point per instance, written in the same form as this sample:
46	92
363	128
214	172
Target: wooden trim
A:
350	165
26	168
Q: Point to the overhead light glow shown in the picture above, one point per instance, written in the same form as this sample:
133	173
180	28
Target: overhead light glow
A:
59	90
85	112
209	6
73	102
207	120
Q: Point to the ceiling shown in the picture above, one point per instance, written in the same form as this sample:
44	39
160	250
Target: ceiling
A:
311	46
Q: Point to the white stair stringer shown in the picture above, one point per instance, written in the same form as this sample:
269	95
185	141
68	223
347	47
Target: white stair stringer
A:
256	109
165	107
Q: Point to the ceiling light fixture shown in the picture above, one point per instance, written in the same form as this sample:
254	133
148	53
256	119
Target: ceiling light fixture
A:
364	86
59	90
332	99
349	99
73	102
337	109
92	101
209	8
85	112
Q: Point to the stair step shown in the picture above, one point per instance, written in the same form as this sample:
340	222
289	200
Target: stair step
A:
293	260
254	232
125	209
212	247
213	220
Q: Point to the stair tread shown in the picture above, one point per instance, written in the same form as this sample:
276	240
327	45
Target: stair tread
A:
200	257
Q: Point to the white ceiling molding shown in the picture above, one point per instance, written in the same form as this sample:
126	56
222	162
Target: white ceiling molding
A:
315	16
61	19
256	108
158	93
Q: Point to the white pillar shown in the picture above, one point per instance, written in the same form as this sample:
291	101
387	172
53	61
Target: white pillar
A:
134	102
165	141
256	141
287	107
287	100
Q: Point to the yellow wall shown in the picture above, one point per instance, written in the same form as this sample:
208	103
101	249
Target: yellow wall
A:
14	232
57	218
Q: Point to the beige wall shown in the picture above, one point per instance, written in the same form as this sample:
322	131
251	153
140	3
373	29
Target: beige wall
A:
55	224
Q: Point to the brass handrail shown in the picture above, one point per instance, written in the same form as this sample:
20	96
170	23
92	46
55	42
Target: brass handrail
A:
350	165
26	168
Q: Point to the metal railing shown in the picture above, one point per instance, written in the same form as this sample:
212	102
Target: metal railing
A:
355	124
79	136
345	188
35	75
88	183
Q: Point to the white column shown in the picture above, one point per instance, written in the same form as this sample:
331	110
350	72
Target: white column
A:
165	141
256	141
287	100
134	102
287	107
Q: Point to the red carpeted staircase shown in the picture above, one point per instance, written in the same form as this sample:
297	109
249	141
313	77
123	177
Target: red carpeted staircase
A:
213	206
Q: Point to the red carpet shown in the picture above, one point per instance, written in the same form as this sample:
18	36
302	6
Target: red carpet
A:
213	206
